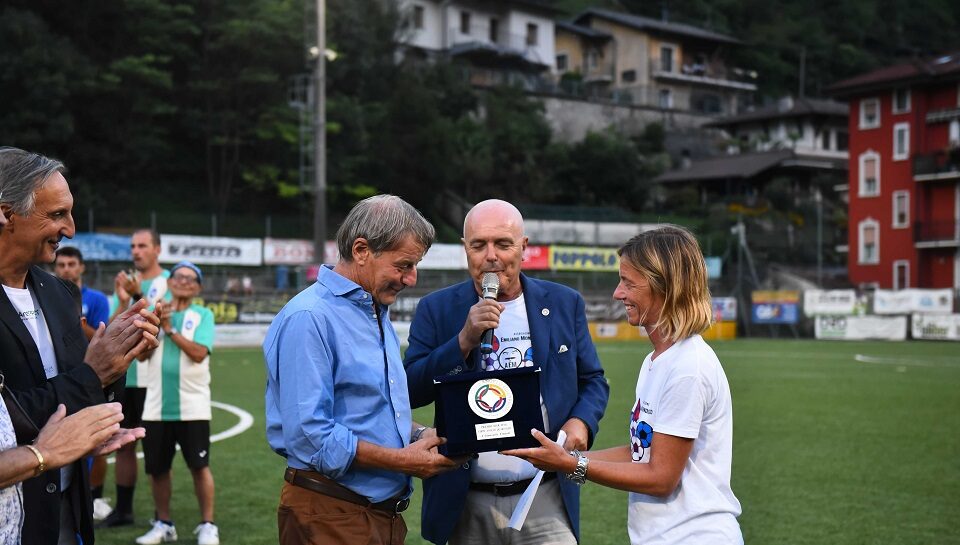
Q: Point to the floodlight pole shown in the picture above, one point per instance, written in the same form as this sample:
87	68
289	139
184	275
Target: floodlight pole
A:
319	140
818	198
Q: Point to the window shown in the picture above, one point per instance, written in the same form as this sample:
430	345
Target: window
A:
901	209
869	113
532	31
666	58
665	98
418	17
562	62
901	274
869	232
869	174
954	130
464	22
628	76
825	140
592	61
494	30
901	100
901	141
843	140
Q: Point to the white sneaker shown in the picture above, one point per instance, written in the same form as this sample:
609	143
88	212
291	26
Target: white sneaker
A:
207	534
160	533
101	508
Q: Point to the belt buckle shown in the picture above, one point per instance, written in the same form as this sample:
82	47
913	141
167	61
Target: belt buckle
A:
499	489
401	506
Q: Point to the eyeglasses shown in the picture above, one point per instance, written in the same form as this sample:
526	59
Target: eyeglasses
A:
184	278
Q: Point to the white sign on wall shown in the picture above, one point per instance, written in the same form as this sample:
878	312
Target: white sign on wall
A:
211	250
278	251
942	327
835	302
855	328
913	300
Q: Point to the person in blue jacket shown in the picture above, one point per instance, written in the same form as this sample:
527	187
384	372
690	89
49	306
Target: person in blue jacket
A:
528	314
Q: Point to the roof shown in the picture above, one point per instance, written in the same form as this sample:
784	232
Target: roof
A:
746	165
917	70
583	30
799	107
646	23
495	55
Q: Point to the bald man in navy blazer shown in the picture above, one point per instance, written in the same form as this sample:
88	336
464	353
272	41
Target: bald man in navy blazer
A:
535	323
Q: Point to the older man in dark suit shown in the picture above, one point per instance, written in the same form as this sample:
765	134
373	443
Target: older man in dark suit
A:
44	354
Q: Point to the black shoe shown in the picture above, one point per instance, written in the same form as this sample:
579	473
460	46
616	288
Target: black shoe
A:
114	519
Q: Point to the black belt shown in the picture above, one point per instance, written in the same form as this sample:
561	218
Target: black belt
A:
508	489
315	482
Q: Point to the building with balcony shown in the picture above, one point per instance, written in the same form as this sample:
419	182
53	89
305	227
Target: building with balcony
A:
668	65
499	41
904	174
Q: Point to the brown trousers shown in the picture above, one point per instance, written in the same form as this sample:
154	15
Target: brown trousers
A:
309	518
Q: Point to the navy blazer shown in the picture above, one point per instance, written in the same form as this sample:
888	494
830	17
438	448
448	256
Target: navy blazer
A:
76	386
571	382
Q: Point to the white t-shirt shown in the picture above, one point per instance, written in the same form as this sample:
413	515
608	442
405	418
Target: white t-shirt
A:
27	306
685	393
512	348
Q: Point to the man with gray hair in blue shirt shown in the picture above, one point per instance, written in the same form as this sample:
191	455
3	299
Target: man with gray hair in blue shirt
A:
337	405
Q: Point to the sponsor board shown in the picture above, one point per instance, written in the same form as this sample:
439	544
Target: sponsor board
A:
855	328
724	309
211	250
941	327
536	258
582	258
277	251
926	301
100	247
835	302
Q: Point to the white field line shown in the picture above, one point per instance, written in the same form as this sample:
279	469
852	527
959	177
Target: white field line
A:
863	358
246	420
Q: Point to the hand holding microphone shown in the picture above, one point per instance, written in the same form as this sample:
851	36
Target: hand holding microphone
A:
483	317
490	287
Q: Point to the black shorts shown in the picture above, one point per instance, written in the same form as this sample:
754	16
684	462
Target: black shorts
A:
132	401
159	444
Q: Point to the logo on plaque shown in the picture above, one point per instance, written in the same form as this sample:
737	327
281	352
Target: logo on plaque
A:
490	398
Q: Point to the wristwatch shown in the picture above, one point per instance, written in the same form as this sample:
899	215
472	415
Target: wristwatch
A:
579	474
417	434
173	331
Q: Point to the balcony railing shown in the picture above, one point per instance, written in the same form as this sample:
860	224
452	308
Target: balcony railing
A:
937	165
704	74
936	231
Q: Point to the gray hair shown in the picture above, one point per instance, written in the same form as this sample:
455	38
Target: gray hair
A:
384	221
22	174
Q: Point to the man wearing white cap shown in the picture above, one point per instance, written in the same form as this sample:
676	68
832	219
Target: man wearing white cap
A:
177	407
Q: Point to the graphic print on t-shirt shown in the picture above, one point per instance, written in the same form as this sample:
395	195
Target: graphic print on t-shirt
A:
641	433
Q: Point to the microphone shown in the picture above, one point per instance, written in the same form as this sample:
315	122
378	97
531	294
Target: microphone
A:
489	286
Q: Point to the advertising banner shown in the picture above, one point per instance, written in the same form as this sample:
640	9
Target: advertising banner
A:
536	258
100	247
583	258
940	327
834	302
279	251
774	307
449	257
927	301
857	328
211	250
724	309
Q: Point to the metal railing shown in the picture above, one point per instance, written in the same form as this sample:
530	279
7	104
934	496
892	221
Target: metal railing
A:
937	164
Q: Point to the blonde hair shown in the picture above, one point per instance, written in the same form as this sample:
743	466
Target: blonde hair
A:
670	259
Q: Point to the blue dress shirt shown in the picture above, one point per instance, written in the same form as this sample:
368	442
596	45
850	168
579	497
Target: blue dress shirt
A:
334	377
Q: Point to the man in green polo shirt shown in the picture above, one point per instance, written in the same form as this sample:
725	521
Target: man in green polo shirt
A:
149	281
177	407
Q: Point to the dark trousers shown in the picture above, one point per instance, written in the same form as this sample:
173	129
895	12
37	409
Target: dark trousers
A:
310	518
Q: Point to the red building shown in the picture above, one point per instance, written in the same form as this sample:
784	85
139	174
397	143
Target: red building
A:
904	175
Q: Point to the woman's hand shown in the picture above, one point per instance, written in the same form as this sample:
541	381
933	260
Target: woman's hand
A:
548	457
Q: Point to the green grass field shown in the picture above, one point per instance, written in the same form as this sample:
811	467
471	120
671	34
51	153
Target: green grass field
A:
834	443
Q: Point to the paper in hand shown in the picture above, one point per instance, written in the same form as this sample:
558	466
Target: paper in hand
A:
519	515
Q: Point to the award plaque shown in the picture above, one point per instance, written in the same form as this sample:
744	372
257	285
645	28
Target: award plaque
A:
488	410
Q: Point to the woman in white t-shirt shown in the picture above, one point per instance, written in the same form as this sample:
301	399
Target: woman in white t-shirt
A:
677	463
